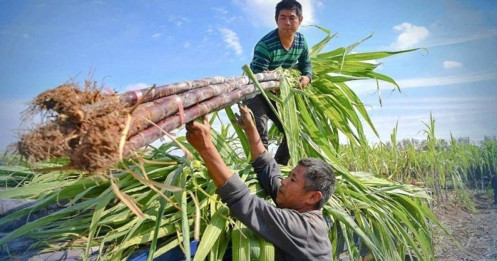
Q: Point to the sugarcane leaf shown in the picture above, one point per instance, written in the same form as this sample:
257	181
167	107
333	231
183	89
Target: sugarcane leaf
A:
241	135
377	55
97	214
241	242
34	189
160	213
319	46
211	233
46	220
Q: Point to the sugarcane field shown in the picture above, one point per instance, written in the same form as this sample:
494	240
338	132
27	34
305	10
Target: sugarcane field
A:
310	159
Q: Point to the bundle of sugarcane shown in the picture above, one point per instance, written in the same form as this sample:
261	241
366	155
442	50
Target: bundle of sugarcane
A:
94	130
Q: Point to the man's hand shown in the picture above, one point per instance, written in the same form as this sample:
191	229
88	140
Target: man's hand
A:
246	122
304	81
245	119
199	135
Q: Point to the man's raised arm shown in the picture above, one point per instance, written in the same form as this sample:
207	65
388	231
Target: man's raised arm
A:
246	122
199	136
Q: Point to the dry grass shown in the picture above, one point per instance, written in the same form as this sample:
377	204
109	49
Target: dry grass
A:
476	232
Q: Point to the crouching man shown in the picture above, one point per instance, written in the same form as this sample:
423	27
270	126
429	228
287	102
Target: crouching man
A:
295	226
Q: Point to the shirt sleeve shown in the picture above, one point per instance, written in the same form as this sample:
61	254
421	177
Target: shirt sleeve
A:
305	65
268	174
285	228
261	60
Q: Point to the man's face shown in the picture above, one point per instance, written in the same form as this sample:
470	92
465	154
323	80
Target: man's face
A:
292	193
288	22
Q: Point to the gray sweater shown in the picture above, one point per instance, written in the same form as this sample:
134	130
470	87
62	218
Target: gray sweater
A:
295	235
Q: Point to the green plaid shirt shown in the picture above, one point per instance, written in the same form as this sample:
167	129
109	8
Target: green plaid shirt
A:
269	54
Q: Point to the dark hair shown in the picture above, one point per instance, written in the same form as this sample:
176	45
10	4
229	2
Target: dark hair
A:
320	177
289	5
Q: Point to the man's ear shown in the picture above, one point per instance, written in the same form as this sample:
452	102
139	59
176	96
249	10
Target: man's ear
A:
315	197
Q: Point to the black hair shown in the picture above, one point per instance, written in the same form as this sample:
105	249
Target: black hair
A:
319	177
289	5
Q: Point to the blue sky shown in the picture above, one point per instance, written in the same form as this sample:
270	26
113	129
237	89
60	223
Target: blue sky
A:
132	44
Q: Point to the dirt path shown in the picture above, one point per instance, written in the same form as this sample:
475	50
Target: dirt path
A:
476	232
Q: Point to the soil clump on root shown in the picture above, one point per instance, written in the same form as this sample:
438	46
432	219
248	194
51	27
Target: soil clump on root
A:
89	140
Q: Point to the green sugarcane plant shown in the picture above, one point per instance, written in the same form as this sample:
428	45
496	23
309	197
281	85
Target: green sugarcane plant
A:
409	161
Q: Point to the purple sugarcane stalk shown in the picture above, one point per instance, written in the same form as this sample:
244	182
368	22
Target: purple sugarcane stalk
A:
172	122
130	98
161	108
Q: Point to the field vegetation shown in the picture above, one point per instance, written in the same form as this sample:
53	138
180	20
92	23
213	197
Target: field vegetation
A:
161	198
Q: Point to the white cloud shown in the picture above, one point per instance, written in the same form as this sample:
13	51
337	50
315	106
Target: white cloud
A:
156	35
434	106
178	20
447	99
223	14
451	64
474	36
208	34
450	80
222	11
187	44
319	4
231	39
264	10
136	86
25	35
368	86
397	104
410	35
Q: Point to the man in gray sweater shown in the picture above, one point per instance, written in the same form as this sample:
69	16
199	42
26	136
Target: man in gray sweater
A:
295	226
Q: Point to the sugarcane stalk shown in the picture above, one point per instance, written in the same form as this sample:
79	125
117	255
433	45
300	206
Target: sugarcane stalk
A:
161	108
131	97
92	146
147	95
172	122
